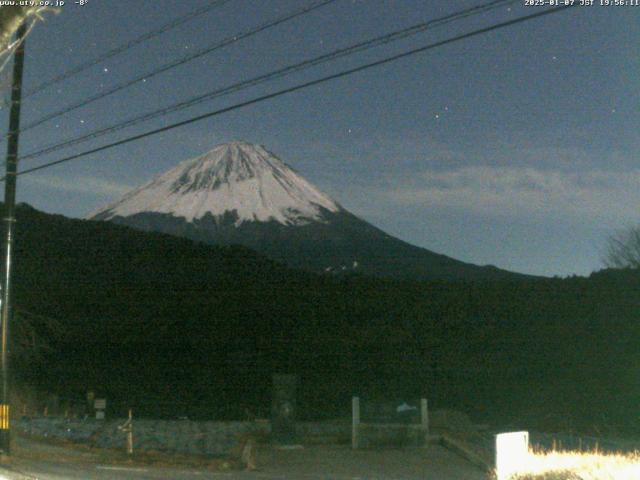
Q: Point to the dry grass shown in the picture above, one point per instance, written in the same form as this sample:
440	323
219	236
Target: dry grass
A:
580	466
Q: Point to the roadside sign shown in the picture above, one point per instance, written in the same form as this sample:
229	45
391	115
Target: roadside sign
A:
512	450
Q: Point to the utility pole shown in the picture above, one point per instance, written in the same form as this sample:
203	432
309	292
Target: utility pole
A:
10	220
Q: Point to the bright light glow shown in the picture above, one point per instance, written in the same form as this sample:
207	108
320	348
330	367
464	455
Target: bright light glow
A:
512	450
578	465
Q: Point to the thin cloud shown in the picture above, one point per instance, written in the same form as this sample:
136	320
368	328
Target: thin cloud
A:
87	185
524	191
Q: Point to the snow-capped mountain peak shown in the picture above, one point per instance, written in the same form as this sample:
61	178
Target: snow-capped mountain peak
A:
241	194
237	177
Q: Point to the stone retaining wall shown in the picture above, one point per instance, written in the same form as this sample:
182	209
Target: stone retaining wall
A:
177	436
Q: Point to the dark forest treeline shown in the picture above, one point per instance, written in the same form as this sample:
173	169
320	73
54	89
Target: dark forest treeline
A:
175	327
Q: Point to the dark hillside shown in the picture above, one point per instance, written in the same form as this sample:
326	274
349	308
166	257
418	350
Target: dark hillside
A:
174	327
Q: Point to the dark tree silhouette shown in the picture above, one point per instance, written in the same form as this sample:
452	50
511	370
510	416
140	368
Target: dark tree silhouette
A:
623	249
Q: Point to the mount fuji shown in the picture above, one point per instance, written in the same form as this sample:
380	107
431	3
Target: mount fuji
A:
240	193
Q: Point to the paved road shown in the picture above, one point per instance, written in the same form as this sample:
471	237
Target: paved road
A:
311	463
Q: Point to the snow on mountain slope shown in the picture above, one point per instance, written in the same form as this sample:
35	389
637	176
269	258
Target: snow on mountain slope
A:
233	177
241	194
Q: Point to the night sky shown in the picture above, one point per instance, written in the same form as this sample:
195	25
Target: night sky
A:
518	148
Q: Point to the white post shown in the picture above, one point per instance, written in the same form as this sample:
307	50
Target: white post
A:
424	416
355	408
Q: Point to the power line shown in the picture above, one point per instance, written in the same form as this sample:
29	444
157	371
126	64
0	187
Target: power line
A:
290	69
125	46
285	91
168	66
